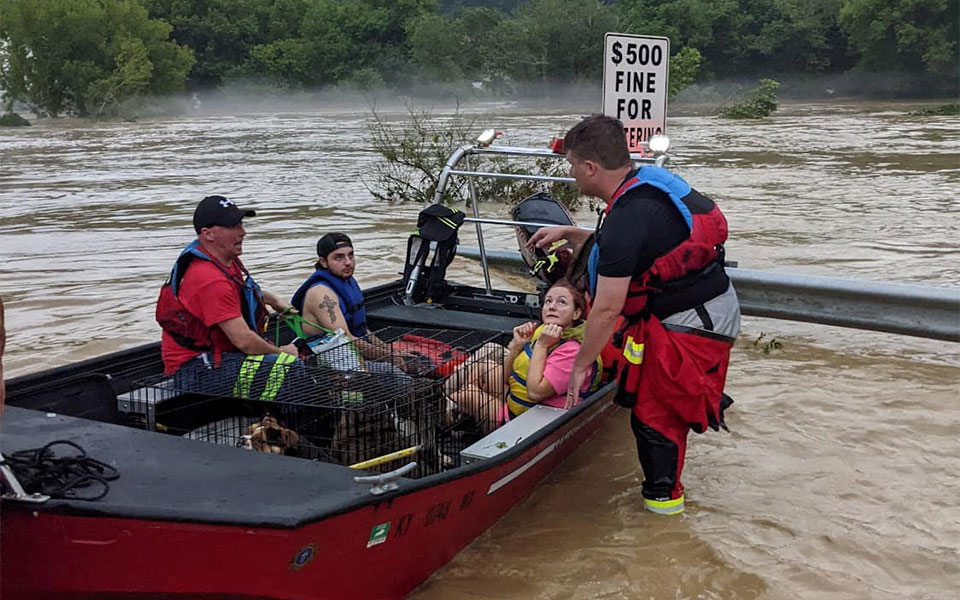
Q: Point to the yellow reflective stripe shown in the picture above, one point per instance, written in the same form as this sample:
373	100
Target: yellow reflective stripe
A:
664	507
553	261
248	368
633	351
277	374
557	244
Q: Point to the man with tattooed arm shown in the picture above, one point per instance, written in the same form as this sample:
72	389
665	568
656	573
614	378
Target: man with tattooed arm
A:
332	298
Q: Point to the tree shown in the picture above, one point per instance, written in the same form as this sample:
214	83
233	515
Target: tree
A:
438	44
222	32
554	40
84	57
683	69
745	36
919	36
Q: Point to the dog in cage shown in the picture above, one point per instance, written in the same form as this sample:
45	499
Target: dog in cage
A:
368	423
385	410
267	435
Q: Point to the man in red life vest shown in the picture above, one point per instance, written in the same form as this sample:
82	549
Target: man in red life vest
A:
214	314
657	260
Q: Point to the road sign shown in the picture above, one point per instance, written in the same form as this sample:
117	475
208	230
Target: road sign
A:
636	70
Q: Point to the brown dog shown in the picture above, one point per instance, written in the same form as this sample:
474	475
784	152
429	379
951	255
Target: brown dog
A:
268	436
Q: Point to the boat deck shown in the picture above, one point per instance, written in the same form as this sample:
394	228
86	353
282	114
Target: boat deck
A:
278	491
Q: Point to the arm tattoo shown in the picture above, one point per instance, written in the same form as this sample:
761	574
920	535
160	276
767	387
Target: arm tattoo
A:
329	304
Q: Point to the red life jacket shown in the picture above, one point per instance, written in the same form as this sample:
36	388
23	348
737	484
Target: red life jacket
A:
682	371
434	357
188	330
702	250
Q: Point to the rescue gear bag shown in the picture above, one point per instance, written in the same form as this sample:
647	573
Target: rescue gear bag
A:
430	250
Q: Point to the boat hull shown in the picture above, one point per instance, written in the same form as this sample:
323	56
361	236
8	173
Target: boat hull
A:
381	550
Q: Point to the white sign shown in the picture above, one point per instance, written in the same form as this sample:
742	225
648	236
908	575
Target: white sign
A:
636	71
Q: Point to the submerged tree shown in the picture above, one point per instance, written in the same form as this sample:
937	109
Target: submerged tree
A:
85	57
416	148
760	102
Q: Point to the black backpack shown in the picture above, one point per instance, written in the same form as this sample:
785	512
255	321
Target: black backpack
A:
430	249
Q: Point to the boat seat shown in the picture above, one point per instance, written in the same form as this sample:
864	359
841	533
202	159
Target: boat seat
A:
87	396
511	433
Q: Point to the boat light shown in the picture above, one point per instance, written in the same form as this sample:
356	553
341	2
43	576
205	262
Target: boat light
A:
487	137
659	144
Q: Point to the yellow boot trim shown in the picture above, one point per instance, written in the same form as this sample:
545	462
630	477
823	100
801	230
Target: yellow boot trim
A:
664	507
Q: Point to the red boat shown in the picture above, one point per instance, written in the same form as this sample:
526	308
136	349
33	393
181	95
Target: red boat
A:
188	518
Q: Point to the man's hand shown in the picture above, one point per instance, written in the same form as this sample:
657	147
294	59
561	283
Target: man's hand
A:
290	349
545	236
577	376
278	304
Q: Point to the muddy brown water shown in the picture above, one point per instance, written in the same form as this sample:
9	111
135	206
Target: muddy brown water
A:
839	476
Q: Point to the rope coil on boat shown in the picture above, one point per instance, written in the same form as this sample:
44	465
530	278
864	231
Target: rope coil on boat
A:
39	470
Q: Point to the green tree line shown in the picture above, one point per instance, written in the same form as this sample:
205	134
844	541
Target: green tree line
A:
84	57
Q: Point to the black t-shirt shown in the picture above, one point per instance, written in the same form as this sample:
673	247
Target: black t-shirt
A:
642	226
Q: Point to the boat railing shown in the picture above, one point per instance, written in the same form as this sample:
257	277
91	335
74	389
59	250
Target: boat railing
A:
921	311
481	148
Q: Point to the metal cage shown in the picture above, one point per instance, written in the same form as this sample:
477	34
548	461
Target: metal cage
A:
414	395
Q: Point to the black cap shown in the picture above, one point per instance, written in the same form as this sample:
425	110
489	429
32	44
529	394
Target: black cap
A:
217	210
331	242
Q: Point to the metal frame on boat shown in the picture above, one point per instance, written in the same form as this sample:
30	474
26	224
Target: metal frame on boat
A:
188	518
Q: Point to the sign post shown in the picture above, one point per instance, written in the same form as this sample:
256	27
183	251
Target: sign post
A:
636	70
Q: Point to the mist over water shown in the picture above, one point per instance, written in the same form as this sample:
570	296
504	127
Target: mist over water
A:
838	478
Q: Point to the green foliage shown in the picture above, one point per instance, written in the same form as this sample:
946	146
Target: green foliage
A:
944	110
766	345
85	57
12	119
298	43
905	35
416	149
438	43
761	102
92	55
683	69
551	40
743	36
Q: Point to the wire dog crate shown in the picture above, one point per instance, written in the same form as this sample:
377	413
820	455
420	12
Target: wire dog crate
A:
340	404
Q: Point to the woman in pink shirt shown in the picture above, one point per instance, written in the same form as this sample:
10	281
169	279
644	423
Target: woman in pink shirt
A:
539	360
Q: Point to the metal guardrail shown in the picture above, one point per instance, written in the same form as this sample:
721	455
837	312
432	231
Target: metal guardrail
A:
921	311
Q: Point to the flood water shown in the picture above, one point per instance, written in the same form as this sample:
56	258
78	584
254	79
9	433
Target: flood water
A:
839	478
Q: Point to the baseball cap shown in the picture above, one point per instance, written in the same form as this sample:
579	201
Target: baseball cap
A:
217	210
331	242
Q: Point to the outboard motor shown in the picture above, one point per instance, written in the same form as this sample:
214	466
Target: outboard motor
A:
547	264
430	250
